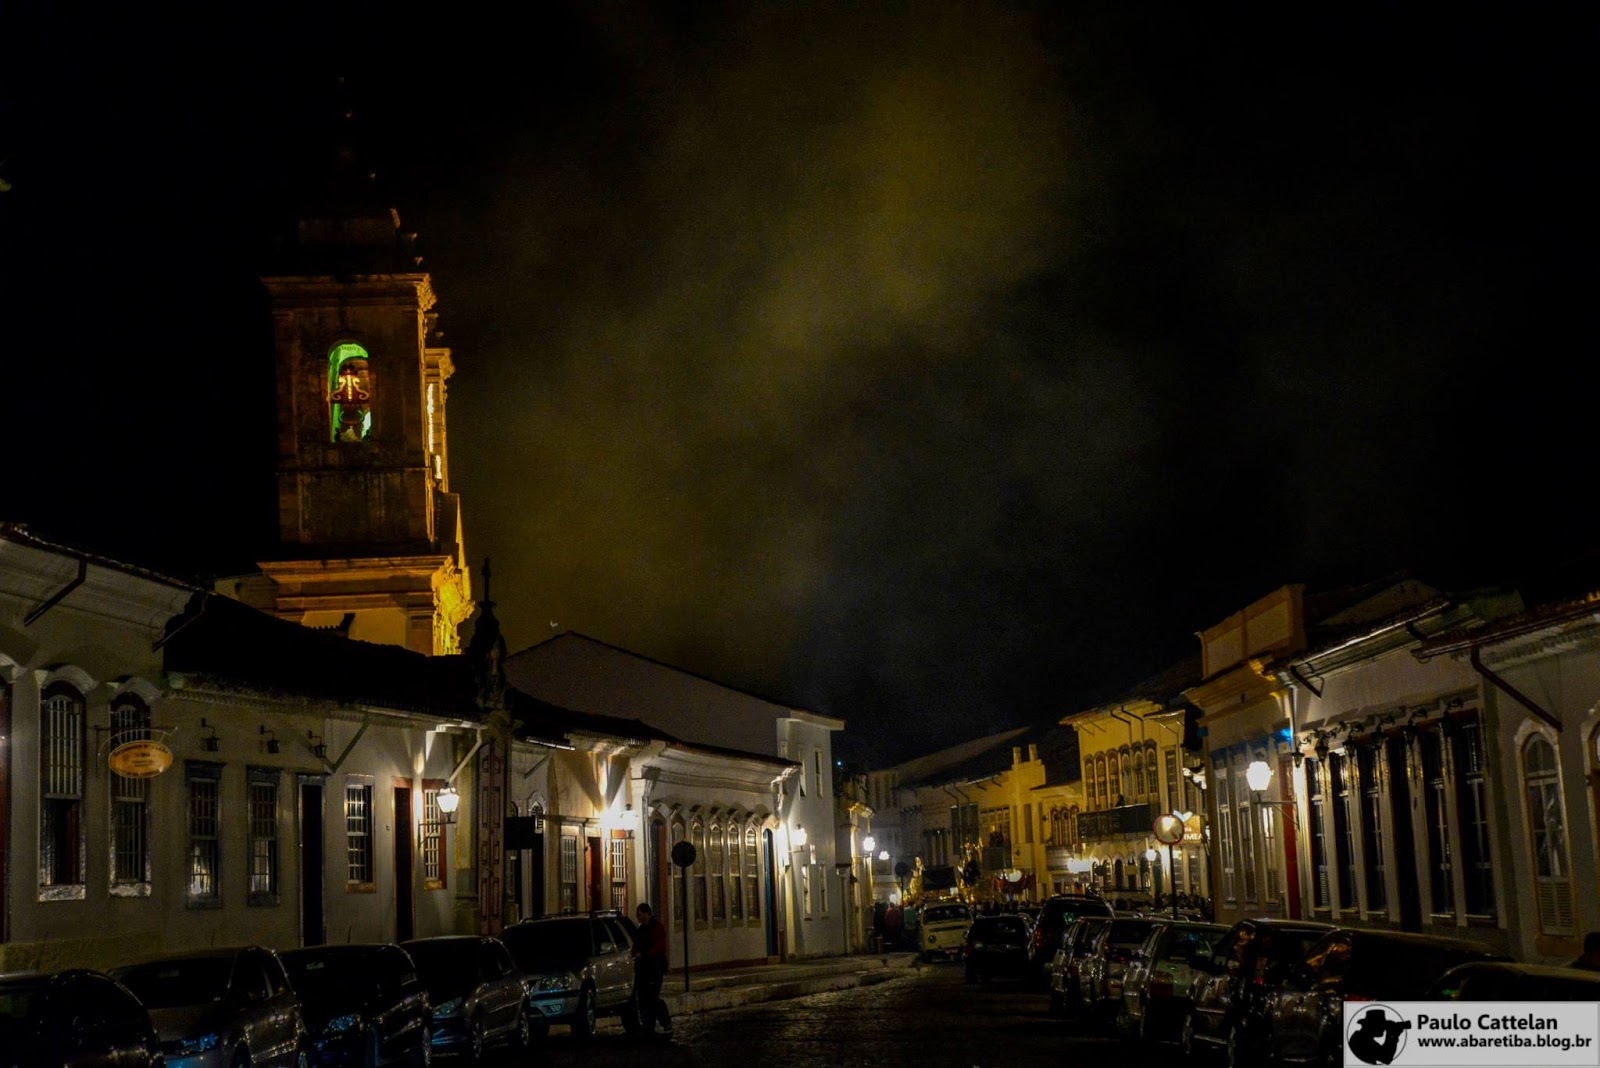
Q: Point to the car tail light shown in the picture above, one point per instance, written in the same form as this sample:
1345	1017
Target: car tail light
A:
1160	985
1038	938
1119	956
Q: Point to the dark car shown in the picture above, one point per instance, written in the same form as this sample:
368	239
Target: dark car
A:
1055	916
216	1008
577	968
1229	995
1304	1021
364	1004
1108	959
1511	981
996	947
1066	968
479	998
74	1019
1155	989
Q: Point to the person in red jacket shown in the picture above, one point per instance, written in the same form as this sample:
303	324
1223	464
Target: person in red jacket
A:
650	963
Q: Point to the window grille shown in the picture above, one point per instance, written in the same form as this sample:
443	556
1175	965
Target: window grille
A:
1225	826
736	876
1547	837
61	775
1320	897
619	873
1344	841
1372	828
699	873
130	808
205	844
263	804
752	873
358	835
432	836
1473	806
569	872
1441	881
719	886
1246	816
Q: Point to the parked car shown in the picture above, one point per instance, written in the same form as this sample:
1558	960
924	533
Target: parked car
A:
1055	916
1107	962
364	1005
74	1019
1228	999
944	930
578	968
221	1007
996	947
1304	1021
1155	989
478	996
1511	981
1066	990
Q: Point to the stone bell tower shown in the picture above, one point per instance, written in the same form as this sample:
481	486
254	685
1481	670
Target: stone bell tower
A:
369	533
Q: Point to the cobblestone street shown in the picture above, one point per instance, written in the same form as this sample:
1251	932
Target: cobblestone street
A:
929	1018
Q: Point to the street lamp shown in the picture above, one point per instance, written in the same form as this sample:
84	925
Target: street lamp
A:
1258	775
868	844
447	801
883	854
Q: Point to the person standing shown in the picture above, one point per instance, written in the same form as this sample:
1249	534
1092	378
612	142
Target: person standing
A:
650	964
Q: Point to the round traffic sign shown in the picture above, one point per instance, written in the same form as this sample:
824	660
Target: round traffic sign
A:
683	854
1168	828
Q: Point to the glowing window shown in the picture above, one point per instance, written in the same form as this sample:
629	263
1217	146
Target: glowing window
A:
349	393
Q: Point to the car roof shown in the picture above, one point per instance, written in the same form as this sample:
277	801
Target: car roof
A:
209	953
1279	923
1553	971
1410	938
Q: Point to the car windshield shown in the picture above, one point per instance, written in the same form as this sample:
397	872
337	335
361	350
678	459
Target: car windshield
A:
17	1002
540	944
1128	932
170	984
448	966
1191	943
333	973
945	913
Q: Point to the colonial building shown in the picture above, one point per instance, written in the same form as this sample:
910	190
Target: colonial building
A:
790	752
182	770
1135	752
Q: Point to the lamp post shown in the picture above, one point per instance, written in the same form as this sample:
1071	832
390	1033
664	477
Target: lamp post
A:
447	800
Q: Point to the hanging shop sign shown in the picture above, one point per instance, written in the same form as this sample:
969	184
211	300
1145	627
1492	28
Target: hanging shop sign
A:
140	760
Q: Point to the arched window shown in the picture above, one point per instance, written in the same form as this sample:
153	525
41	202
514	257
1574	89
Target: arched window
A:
349	393
719	884
1116	868
674	885
1088	780
1138	774
699	843
61	780
735	875
1547	835
1152	778
1113	779
1072	825
752	874
130	809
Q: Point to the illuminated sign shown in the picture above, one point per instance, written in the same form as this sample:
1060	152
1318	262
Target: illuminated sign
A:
140	760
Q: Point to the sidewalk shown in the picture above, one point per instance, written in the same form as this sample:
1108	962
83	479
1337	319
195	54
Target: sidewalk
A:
772	982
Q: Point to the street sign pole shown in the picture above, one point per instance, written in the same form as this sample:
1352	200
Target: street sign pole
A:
1172	876
683	856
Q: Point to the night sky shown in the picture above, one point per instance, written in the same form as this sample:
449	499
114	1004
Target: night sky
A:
940	367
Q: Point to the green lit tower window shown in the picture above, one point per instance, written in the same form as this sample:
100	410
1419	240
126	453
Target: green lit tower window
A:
349	393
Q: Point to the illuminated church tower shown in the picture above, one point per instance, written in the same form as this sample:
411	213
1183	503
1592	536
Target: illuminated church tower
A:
369	534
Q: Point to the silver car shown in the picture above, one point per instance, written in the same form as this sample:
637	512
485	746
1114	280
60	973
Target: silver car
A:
221	1008
577	968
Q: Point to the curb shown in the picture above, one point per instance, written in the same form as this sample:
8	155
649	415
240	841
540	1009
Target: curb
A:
843	978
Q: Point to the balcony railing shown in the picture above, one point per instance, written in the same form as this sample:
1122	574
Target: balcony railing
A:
1116	822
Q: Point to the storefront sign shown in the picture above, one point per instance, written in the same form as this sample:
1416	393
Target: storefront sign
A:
140	760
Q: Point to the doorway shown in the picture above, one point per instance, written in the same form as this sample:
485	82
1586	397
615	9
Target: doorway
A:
771	896
405	875
596	866
313	928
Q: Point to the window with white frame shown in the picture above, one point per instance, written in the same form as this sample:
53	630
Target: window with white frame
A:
700	889
822	882
1316	812
1152	775
261	786
433	842
1171	758
1372	828
1441	882
1225	825
1344	831
359	876
619	871
676	885
735	874
568	861
1113	780
130	805
204	783
61	779
752	874
1547	835
1472	802
1245	812
719	885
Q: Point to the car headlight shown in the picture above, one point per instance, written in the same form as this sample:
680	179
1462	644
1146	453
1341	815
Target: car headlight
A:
977	945
448	1008
350	1021
198	1043
554	984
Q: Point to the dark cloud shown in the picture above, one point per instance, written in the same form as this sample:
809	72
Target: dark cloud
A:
939	366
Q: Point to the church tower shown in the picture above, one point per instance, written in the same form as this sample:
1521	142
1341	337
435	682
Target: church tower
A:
369	533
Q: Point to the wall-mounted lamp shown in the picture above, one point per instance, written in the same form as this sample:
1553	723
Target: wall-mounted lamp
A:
319	748
447	801
868	844
272	738
1322	746
883	854
1258	775
210	741
799	836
